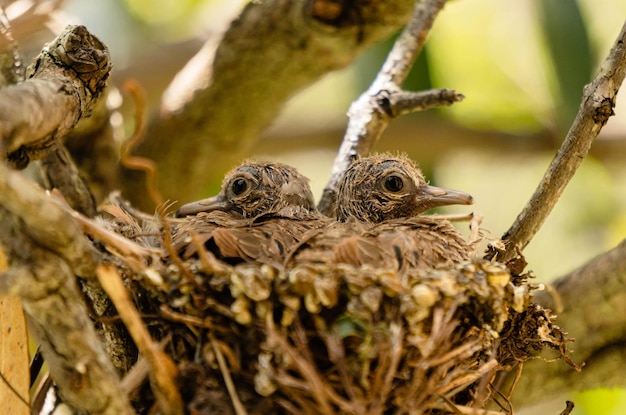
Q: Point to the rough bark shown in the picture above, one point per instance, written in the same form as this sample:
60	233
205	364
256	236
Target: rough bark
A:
66	78
46	250
45	247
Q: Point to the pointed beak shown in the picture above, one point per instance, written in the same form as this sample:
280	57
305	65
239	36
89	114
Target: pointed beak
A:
433	196
205	205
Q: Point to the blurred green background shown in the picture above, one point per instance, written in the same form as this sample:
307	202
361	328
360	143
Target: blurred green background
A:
521	65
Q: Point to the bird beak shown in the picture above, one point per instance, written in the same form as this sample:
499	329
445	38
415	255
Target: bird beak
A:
205	205
437	196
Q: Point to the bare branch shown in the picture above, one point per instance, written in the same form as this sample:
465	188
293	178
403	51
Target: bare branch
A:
273	49
67	76
46	250
372	112
407	102
38	212
596	108
62	174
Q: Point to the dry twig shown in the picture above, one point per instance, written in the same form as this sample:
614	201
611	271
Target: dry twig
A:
595	109
372	112
47	251
162	369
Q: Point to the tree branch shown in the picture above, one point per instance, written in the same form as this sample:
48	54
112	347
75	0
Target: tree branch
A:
372	112
66	77
46	250
272	50
596	108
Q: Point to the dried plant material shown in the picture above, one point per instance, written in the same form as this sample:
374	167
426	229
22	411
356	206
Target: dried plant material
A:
324	338
163	370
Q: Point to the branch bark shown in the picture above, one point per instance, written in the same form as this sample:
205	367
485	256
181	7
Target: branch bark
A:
46	250
66	78
272	50
372	112
596	108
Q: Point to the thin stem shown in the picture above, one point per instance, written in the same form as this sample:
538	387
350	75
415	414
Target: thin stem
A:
596	108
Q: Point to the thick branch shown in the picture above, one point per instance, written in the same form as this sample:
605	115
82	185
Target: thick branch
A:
61	173
67	76
46	222
594	313
272	50
46	249
596	108
371	113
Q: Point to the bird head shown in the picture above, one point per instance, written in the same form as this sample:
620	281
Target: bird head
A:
382	187
257	188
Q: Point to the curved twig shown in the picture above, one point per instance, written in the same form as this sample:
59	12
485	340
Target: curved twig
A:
597	106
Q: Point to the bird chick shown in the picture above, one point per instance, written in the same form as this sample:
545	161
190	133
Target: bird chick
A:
261	213
258	188
383	196
382	187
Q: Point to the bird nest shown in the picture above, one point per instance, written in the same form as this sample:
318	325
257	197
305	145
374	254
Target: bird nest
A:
340	339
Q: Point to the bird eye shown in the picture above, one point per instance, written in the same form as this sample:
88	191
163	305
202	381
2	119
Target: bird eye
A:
239	186
393	183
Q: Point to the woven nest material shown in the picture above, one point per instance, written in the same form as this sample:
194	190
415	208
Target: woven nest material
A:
337	339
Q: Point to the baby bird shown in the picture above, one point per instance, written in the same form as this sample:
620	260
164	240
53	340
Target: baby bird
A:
389	193
261	213
383	187
257	188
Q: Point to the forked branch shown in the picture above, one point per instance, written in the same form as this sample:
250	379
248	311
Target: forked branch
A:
384	100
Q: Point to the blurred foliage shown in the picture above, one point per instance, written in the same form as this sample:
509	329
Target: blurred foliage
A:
163	11
577	229
368	65
570	53
522	64
601	402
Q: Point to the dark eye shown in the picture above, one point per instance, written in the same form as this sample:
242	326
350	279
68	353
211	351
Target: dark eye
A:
393	183
239	186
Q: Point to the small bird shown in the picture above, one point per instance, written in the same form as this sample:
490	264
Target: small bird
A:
382	198
383	187
262	212
258	188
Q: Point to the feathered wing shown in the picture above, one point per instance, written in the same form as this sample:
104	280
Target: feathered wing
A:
421	242
268	239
